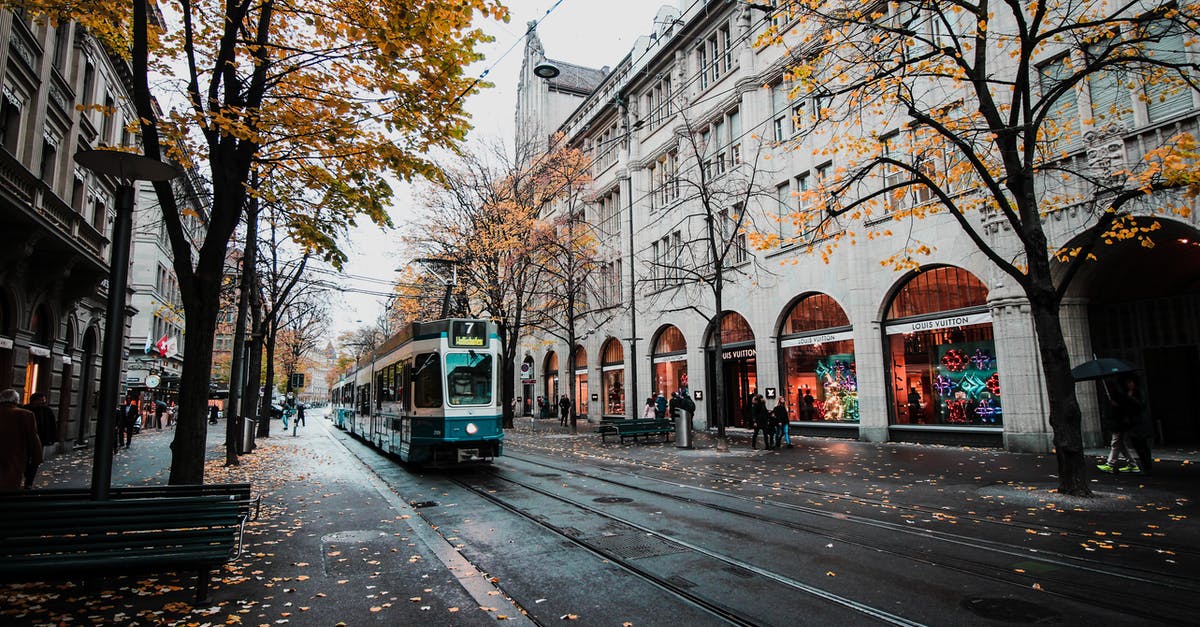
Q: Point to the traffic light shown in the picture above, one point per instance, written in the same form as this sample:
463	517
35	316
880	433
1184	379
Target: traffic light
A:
297	380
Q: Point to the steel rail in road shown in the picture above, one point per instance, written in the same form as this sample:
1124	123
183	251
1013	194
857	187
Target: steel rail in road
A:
1174	589
665	583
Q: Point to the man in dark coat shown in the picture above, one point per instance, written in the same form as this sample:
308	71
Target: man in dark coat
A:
127	416
762	422
1141	424
47	429
564	407
20	447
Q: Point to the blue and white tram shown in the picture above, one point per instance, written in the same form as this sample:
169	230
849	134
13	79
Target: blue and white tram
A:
430	394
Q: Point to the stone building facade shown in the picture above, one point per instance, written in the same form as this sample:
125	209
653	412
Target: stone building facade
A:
855	349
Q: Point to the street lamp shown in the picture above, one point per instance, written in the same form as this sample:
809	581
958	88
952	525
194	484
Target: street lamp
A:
125	167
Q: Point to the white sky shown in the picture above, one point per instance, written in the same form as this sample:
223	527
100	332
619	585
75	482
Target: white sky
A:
592	33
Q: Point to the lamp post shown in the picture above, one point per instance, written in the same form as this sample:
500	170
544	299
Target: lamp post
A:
126	168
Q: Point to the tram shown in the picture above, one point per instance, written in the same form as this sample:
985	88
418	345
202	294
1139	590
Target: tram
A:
428	395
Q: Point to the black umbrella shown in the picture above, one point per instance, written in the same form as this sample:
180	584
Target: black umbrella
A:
1100	368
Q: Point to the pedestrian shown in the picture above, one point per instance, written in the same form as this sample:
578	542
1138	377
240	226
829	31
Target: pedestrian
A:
212	415
160	408
660	405
541	403
673	408
762	421
649	411
1118	421
171	413
782	424
300	415
1140	426
127	418
564	410
808	411
47	428
20	447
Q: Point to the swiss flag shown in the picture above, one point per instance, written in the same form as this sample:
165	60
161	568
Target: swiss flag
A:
161	346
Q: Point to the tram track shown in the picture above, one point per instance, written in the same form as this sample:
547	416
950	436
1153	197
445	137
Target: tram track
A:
1104	587
881	504
668	584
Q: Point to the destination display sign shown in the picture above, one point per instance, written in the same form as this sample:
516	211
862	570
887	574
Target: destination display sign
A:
468	334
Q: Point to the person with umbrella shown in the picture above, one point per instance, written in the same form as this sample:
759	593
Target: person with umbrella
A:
1126	412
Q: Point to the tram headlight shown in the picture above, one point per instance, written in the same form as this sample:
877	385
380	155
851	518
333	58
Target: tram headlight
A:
472	429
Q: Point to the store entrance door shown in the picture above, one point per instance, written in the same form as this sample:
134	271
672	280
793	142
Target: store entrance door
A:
740	379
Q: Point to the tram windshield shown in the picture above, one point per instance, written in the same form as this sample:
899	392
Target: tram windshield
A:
469	378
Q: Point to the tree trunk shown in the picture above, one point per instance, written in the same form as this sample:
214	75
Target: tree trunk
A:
191	429
508	346
1066	420
264	424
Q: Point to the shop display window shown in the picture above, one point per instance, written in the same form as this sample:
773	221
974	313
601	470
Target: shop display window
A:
942	352
817	360
612	378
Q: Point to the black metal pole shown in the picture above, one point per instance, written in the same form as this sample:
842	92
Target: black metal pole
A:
114	336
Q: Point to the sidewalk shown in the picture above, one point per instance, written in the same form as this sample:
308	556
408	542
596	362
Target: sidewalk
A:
332	546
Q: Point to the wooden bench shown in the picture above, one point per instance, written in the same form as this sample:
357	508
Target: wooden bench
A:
637	427
45	537
238	492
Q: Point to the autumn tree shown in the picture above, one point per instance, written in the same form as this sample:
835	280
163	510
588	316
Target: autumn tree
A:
343	93
302	328
480	217
989	118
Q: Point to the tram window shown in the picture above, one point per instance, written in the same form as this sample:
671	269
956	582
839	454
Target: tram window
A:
427	381
469	378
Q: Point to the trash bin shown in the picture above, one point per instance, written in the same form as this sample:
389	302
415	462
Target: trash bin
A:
248	429
683	430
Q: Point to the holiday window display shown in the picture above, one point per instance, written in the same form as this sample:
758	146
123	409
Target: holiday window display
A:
967	386
822	383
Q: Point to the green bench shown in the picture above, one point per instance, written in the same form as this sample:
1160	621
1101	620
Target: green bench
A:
46	537
239	492
636	428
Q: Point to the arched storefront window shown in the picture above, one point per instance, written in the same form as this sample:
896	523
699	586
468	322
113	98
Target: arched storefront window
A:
37	368
612	377
739	368
816	356
669	359
550	380
941	351
581	382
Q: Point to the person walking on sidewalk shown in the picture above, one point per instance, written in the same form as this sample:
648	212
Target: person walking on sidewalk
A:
20	447
1118	421
564	410
47	429
1141	425
762	422
212	415
127	417
649	410
779	416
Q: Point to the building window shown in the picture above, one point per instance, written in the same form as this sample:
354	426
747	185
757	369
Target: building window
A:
49	160
659	100
1166	94
941	353
1112	104
816	348
714	57
722	146
664	180
110	117
668	359
10	123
